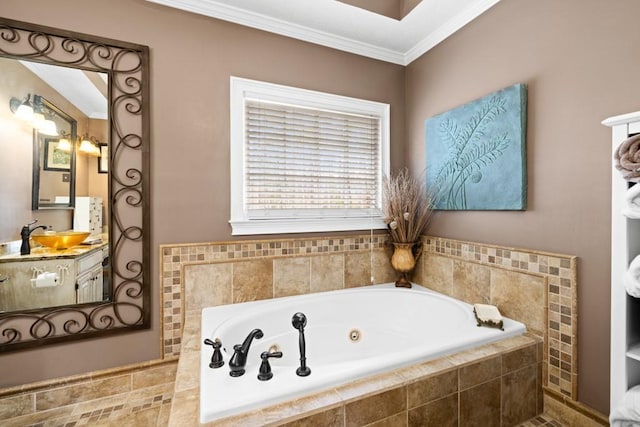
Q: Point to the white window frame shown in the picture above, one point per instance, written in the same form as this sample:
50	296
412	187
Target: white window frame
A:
242	89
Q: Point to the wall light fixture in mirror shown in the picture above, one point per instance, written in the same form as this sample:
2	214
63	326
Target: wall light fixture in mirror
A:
124	304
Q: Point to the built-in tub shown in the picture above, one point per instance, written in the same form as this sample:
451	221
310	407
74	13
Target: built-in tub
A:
394	326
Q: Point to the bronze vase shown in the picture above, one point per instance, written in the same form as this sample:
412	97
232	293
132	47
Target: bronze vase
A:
403	260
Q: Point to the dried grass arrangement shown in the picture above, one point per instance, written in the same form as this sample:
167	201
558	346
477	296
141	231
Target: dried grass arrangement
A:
408	206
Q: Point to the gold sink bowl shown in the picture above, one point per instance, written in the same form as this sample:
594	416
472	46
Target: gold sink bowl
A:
61	240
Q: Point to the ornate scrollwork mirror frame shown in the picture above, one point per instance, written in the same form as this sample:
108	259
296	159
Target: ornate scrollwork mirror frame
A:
127	67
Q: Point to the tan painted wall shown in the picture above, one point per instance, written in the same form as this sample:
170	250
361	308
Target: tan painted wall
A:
579	59
192	58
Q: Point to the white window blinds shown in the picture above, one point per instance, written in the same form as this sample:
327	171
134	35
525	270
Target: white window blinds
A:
305	162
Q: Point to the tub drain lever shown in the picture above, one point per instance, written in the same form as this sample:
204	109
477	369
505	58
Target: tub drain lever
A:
216	357
299	321
265	373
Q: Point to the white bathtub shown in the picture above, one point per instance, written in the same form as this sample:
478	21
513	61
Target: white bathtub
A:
396	326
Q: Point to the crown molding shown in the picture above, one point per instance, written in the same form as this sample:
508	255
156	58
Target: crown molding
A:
261	21
446	29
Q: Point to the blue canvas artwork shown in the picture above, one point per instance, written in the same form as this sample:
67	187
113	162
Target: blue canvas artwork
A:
476	153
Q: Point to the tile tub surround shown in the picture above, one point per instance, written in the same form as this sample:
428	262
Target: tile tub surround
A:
140	394
207	274
536	288
495	384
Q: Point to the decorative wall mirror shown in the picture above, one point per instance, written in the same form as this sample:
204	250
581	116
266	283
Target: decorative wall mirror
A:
125	161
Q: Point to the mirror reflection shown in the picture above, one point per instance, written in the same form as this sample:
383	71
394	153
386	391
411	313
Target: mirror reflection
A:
54	186
54	181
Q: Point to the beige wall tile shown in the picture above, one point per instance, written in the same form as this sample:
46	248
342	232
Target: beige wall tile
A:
191	331
147	417
90	406
383	272
154	376
369	386
418	371
471	282
476	373
567	415
190	370
331	418
438	273
185	409
519	358
137	396
327	273
442	413
17	405
81	392
397	420
163	416
52	416
519	396
207	285
252	280
291	276
419	275
480	405
274	415
376	407
432	388
357	269
521	297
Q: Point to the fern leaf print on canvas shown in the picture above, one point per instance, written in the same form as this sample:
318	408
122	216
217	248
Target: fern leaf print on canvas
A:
476	153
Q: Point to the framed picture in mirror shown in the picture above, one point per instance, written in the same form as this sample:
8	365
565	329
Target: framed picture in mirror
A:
103	160
56	159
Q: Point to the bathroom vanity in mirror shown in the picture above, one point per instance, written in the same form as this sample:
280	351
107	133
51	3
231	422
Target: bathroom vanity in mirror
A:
52	278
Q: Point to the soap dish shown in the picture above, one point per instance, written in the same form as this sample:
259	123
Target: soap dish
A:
488	315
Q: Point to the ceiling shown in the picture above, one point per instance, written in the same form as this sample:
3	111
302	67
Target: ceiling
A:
330	23
345	27
89	96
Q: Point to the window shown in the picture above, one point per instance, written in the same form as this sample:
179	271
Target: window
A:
305	161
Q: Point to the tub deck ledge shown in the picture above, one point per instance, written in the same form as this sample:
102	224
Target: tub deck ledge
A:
512	354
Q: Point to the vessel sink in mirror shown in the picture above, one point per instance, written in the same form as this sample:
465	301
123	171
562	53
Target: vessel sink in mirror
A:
61	240
87	173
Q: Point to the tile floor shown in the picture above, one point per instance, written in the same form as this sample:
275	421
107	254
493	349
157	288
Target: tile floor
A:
542	420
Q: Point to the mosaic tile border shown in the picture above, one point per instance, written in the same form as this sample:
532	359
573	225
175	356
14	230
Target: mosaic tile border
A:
560	373
560	271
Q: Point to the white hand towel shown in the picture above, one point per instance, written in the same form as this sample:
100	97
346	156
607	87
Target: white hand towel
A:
631	208
627	413
632	278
